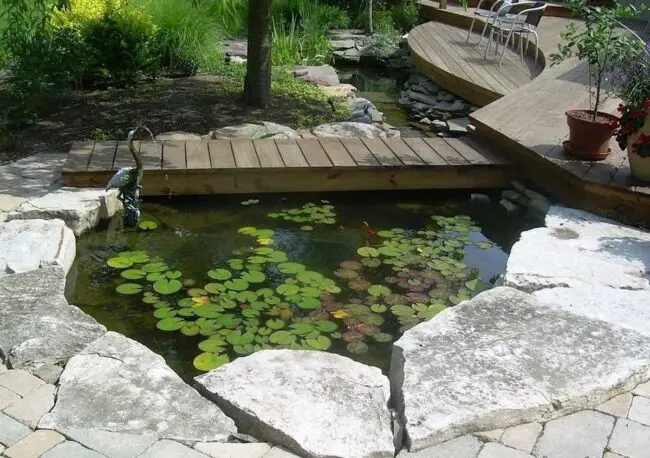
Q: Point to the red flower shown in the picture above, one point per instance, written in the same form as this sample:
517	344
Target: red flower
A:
646	104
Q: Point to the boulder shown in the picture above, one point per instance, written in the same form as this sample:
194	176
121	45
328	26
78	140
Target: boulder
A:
342	44
117	385
255	131
353	129
37	325
421	97
349	55
458	125
363	110
314	403
34	243
236	48
578	249
505	358
81	209
322	75
177	135
339	91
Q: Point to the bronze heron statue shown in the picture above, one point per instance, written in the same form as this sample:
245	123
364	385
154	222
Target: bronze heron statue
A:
127	180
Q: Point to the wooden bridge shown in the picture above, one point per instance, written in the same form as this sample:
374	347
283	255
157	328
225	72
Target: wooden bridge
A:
303	165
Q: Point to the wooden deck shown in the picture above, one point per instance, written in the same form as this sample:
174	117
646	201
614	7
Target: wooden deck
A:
303	165
528	126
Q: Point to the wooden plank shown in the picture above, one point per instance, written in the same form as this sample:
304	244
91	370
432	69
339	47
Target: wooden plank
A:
426	153
151	155
313	152
245	155
291	154
486	151
103	155
337	152
123	156
382	152
268	153
197	154
221	156
445	151
173	155
361	155
79	157
470	154
402	150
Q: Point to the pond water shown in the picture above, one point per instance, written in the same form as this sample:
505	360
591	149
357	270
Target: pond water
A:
348	273
380	86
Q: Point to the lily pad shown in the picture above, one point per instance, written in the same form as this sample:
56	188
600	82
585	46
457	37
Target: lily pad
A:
290	268
190	329
382	337
275	324
253	276
237	284
358	347
155	276
133	274
309	277
287	289
309	303
368	252
402	310
208	361
282	338
167	286
485	245
147	225
165	312
119	262
319	343
212	345
155	267
301	328
378	290
219	274
378	308
325	326
129	288
237	338
173	323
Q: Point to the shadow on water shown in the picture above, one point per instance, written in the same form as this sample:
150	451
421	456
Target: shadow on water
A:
196	234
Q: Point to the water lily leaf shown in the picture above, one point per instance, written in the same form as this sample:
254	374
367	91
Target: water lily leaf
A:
277	257
190	329
301	328
325	326
161	304
390	250
219	274
212	345
147	225
471	285
309	277
385	234
236	285
155	267
186	302
309	291
133	274
155	276
228	303
264	251
173	274
371	319
309	303
208	311
455	299
290	268
378	290
275	324
371	262
357	347
245	349
129	288
485	245
173	323
247	230
368	252
282	338
340	314
186	312
136	257
166	286
119	262
346	274
150	299
214	288
253	276
402	310
208	361
319	343
164	312
382	337
196	292
286	289
246	296
378	308
237	338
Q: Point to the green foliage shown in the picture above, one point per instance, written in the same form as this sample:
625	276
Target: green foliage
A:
406	15
233	15
601	42
294	46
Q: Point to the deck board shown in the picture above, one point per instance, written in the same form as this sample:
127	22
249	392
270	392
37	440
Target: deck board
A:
103	155
243	166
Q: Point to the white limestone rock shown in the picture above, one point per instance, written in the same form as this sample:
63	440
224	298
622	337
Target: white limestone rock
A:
313	403
31	244
353	129
118	385
177	135
504	358
37	326
81	209
322	75
255	131
577	249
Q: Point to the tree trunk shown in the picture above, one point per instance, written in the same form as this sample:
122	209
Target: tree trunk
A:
257	84
369	27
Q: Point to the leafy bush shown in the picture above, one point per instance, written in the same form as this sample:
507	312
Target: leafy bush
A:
405	15
233	15
305	47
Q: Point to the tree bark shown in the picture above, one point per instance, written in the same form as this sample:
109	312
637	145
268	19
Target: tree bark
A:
369	26
257	84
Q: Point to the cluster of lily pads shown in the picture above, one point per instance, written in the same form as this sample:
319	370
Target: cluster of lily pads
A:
259	299
308	213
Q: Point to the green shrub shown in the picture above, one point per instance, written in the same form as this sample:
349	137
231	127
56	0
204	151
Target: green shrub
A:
383	22
304	47
405	15
233	15
188	35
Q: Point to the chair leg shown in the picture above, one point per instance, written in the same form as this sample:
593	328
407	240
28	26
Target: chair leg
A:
503	54
489	43
471	27
521	46
536	46
485	26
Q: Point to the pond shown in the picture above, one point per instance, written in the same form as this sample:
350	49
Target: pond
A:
220	277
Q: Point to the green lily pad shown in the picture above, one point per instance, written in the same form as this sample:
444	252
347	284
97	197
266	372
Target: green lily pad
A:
402	310
253	276
275	323
287	289
301	328
119	262
208	361
237	338
378	290
219	274
208	311
150	299
282	338
214	288
237	284
378	308
133	274
319	343
290	268
246	296
167	286
368	252
173	323
173	274
247	230
155	276
382	337
472	284
309	303
357	347
212	345
309	277
485	245
245	349
325	326
306	228
390	250
147	225
197	292
186	302
264	233
190	329
165	312
155	267
129	288
186	312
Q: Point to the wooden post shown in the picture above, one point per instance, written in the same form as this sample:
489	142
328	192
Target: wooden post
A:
443	4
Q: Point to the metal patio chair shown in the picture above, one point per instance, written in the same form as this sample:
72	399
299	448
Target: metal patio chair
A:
490	15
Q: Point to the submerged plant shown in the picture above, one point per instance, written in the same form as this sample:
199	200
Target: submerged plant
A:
308	213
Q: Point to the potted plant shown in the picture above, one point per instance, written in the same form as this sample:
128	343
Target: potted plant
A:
602	41
632	83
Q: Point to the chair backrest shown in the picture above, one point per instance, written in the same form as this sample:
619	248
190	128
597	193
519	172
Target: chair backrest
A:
534	13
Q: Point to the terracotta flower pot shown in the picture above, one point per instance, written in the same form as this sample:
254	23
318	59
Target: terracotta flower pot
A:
588	139
639	166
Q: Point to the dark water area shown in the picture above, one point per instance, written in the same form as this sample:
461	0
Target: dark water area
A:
346	272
